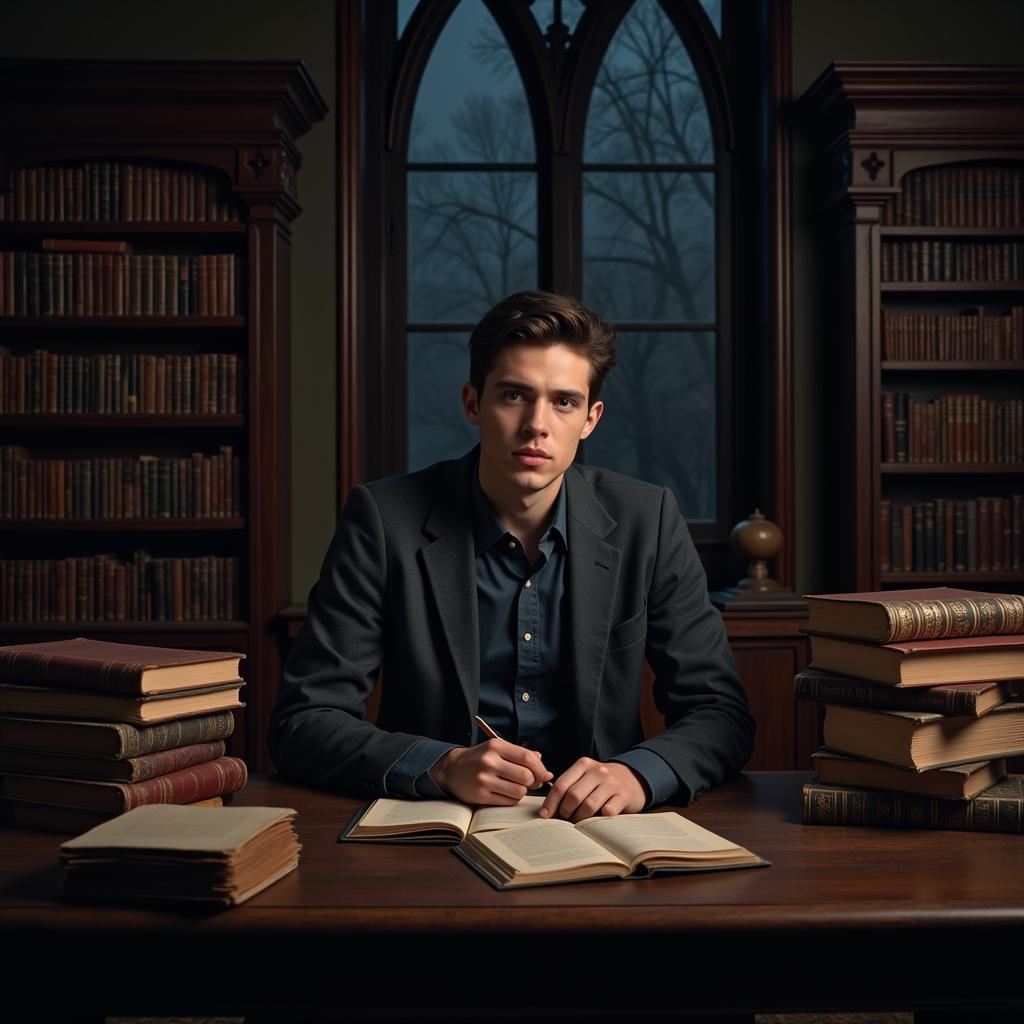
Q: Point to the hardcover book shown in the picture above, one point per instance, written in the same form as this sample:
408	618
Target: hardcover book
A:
205	855
825	687
119	668
130	769
185	786
115	740
920	739
998	809
953	782
931	613
551	851
923	662
31	700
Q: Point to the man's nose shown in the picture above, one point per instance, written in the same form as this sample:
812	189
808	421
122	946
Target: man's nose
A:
536	421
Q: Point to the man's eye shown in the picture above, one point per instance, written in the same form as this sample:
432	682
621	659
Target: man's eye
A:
512	395
566	403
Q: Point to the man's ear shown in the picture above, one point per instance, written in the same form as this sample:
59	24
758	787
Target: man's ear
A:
593	415
471	403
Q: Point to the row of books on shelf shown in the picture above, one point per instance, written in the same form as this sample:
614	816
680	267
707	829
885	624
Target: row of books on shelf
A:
921	709
126	744
946	535
120	382
936	260
113	284
970	336
958	197
109	588
138	487
951	428
112	190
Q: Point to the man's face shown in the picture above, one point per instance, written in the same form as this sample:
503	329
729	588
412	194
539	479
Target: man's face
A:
532	415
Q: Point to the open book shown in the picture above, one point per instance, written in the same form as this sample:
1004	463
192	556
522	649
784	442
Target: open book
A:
434	821
511	846
549	851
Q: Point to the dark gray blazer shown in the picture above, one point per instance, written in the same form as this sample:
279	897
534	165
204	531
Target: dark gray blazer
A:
397	593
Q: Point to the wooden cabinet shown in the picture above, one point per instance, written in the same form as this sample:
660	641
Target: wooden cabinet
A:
144	319
922	178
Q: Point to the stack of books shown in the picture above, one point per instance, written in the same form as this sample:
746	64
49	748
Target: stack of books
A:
921	709
90	729
161	853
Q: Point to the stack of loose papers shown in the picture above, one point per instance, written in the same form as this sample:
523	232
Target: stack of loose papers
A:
215	855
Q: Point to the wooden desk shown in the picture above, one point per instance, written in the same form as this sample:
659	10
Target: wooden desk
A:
845	919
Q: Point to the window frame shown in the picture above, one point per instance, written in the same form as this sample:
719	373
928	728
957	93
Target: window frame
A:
558	94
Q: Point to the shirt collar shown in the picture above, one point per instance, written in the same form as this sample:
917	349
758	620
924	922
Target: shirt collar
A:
487	528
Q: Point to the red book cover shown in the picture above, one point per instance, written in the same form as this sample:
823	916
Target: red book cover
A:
198	782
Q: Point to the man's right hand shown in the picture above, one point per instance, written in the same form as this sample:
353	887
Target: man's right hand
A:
495	773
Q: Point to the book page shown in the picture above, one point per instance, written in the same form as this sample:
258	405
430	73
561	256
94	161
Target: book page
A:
487	819
630	836
393	815
180	828
545	844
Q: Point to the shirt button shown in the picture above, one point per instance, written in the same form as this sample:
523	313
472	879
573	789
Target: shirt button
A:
527	637
528	584
512	545
526	698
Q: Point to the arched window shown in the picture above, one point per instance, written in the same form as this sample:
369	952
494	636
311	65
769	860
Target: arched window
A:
584	146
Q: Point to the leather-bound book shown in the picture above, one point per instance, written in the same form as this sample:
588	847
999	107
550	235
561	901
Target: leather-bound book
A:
115	667
997	809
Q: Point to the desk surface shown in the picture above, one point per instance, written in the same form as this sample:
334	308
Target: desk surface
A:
845	918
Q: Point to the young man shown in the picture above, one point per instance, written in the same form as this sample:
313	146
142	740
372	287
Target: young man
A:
517	586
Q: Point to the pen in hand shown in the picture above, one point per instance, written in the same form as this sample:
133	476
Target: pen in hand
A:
494	735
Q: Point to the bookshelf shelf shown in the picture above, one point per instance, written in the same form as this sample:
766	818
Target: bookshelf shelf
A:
114	421
204	629
981	287
206	152
950	365
934	468
931	165
914	579
121	323
921	231
118	229
122	525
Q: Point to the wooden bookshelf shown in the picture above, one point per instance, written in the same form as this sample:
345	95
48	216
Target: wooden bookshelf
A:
193	165
921	178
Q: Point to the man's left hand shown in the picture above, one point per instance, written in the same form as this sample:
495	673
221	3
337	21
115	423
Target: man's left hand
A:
592	787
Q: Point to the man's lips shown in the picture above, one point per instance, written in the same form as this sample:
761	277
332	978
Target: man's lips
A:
531	456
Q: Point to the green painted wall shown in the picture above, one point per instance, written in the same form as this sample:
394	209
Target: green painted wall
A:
980	31
240	30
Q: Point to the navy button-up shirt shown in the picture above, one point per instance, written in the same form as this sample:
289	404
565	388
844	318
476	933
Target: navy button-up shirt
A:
525	694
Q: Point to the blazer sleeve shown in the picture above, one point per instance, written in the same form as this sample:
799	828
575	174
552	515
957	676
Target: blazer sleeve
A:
709	732
318	733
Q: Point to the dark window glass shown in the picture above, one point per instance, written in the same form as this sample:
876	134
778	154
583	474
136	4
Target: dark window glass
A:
647	105
472	240
649	257
659	418
438	367
649	245
471	105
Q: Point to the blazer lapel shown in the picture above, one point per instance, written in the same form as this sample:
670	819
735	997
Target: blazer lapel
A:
448	561
593	579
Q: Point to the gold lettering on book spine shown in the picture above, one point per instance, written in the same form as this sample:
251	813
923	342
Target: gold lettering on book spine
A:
954	619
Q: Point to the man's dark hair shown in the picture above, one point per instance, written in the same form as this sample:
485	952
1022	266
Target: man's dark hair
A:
541	318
